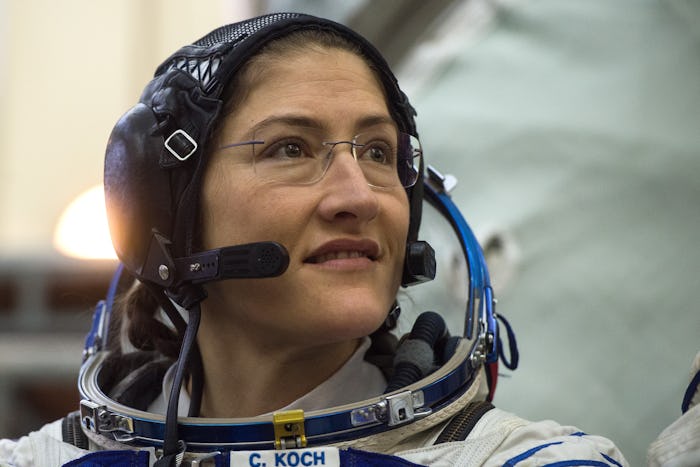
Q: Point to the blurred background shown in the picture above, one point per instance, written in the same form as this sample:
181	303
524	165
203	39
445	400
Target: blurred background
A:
572	126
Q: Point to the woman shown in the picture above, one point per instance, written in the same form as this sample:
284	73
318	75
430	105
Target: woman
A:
268	187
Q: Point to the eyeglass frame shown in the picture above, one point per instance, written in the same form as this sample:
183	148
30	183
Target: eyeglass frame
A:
417	153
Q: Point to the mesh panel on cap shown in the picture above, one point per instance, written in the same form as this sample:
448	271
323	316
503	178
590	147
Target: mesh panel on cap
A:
238	31
203	70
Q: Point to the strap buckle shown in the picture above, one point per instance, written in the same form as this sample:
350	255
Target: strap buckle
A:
180	142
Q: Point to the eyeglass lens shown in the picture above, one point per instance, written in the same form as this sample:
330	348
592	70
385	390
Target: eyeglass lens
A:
300	155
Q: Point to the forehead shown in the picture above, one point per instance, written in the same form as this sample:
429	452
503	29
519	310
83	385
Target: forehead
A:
334	87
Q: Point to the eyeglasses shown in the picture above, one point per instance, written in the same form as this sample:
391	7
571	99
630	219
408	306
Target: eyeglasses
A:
300	156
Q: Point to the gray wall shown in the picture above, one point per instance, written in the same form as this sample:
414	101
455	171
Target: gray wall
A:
573	128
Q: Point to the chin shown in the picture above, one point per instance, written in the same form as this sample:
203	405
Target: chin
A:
354	322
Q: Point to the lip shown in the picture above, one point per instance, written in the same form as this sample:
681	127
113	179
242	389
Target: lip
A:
344	251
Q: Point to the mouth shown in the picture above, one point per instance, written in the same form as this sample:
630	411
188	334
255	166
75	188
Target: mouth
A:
339	250
337	255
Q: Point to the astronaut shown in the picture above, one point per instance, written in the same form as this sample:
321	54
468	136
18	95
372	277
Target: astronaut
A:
266	194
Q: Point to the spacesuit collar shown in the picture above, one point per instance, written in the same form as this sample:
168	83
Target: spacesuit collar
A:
356	380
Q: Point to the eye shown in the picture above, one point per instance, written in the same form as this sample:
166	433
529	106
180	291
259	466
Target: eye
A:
377	151
292	150
289	148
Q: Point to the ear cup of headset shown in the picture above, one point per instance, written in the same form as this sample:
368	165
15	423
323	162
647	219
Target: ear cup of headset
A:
148	189
136	194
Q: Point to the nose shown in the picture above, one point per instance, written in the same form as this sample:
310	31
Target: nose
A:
347	195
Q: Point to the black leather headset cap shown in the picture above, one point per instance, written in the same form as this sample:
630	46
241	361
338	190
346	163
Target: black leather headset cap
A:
157	152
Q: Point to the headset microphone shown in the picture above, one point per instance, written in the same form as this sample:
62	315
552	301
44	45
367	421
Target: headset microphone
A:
252	260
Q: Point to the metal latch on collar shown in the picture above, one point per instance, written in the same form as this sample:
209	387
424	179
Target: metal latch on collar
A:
396	409
289	429
98	419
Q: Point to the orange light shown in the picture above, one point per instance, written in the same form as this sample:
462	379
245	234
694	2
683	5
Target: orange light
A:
82	230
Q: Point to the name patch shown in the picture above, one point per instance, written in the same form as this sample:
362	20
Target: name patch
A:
309	457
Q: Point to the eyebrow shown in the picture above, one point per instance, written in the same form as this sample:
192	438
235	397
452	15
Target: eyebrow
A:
310	122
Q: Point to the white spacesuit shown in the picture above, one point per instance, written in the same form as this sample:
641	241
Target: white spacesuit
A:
678	444
498	438
424	400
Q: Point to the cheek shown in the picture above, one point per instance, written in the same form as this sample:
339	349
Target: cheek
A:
223	205
217	225
239	209
401	218
398	218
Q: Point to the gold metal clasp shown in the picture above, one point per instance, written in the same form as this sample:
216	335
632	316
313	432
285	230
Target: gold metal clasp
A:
289	429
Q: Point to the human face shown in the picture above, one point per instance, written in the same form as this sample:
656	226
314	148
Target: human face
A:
346	240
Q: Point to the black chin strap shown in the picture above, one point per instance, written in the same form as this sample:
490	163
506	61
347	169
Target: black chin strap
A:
194	368
173	447
196	381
